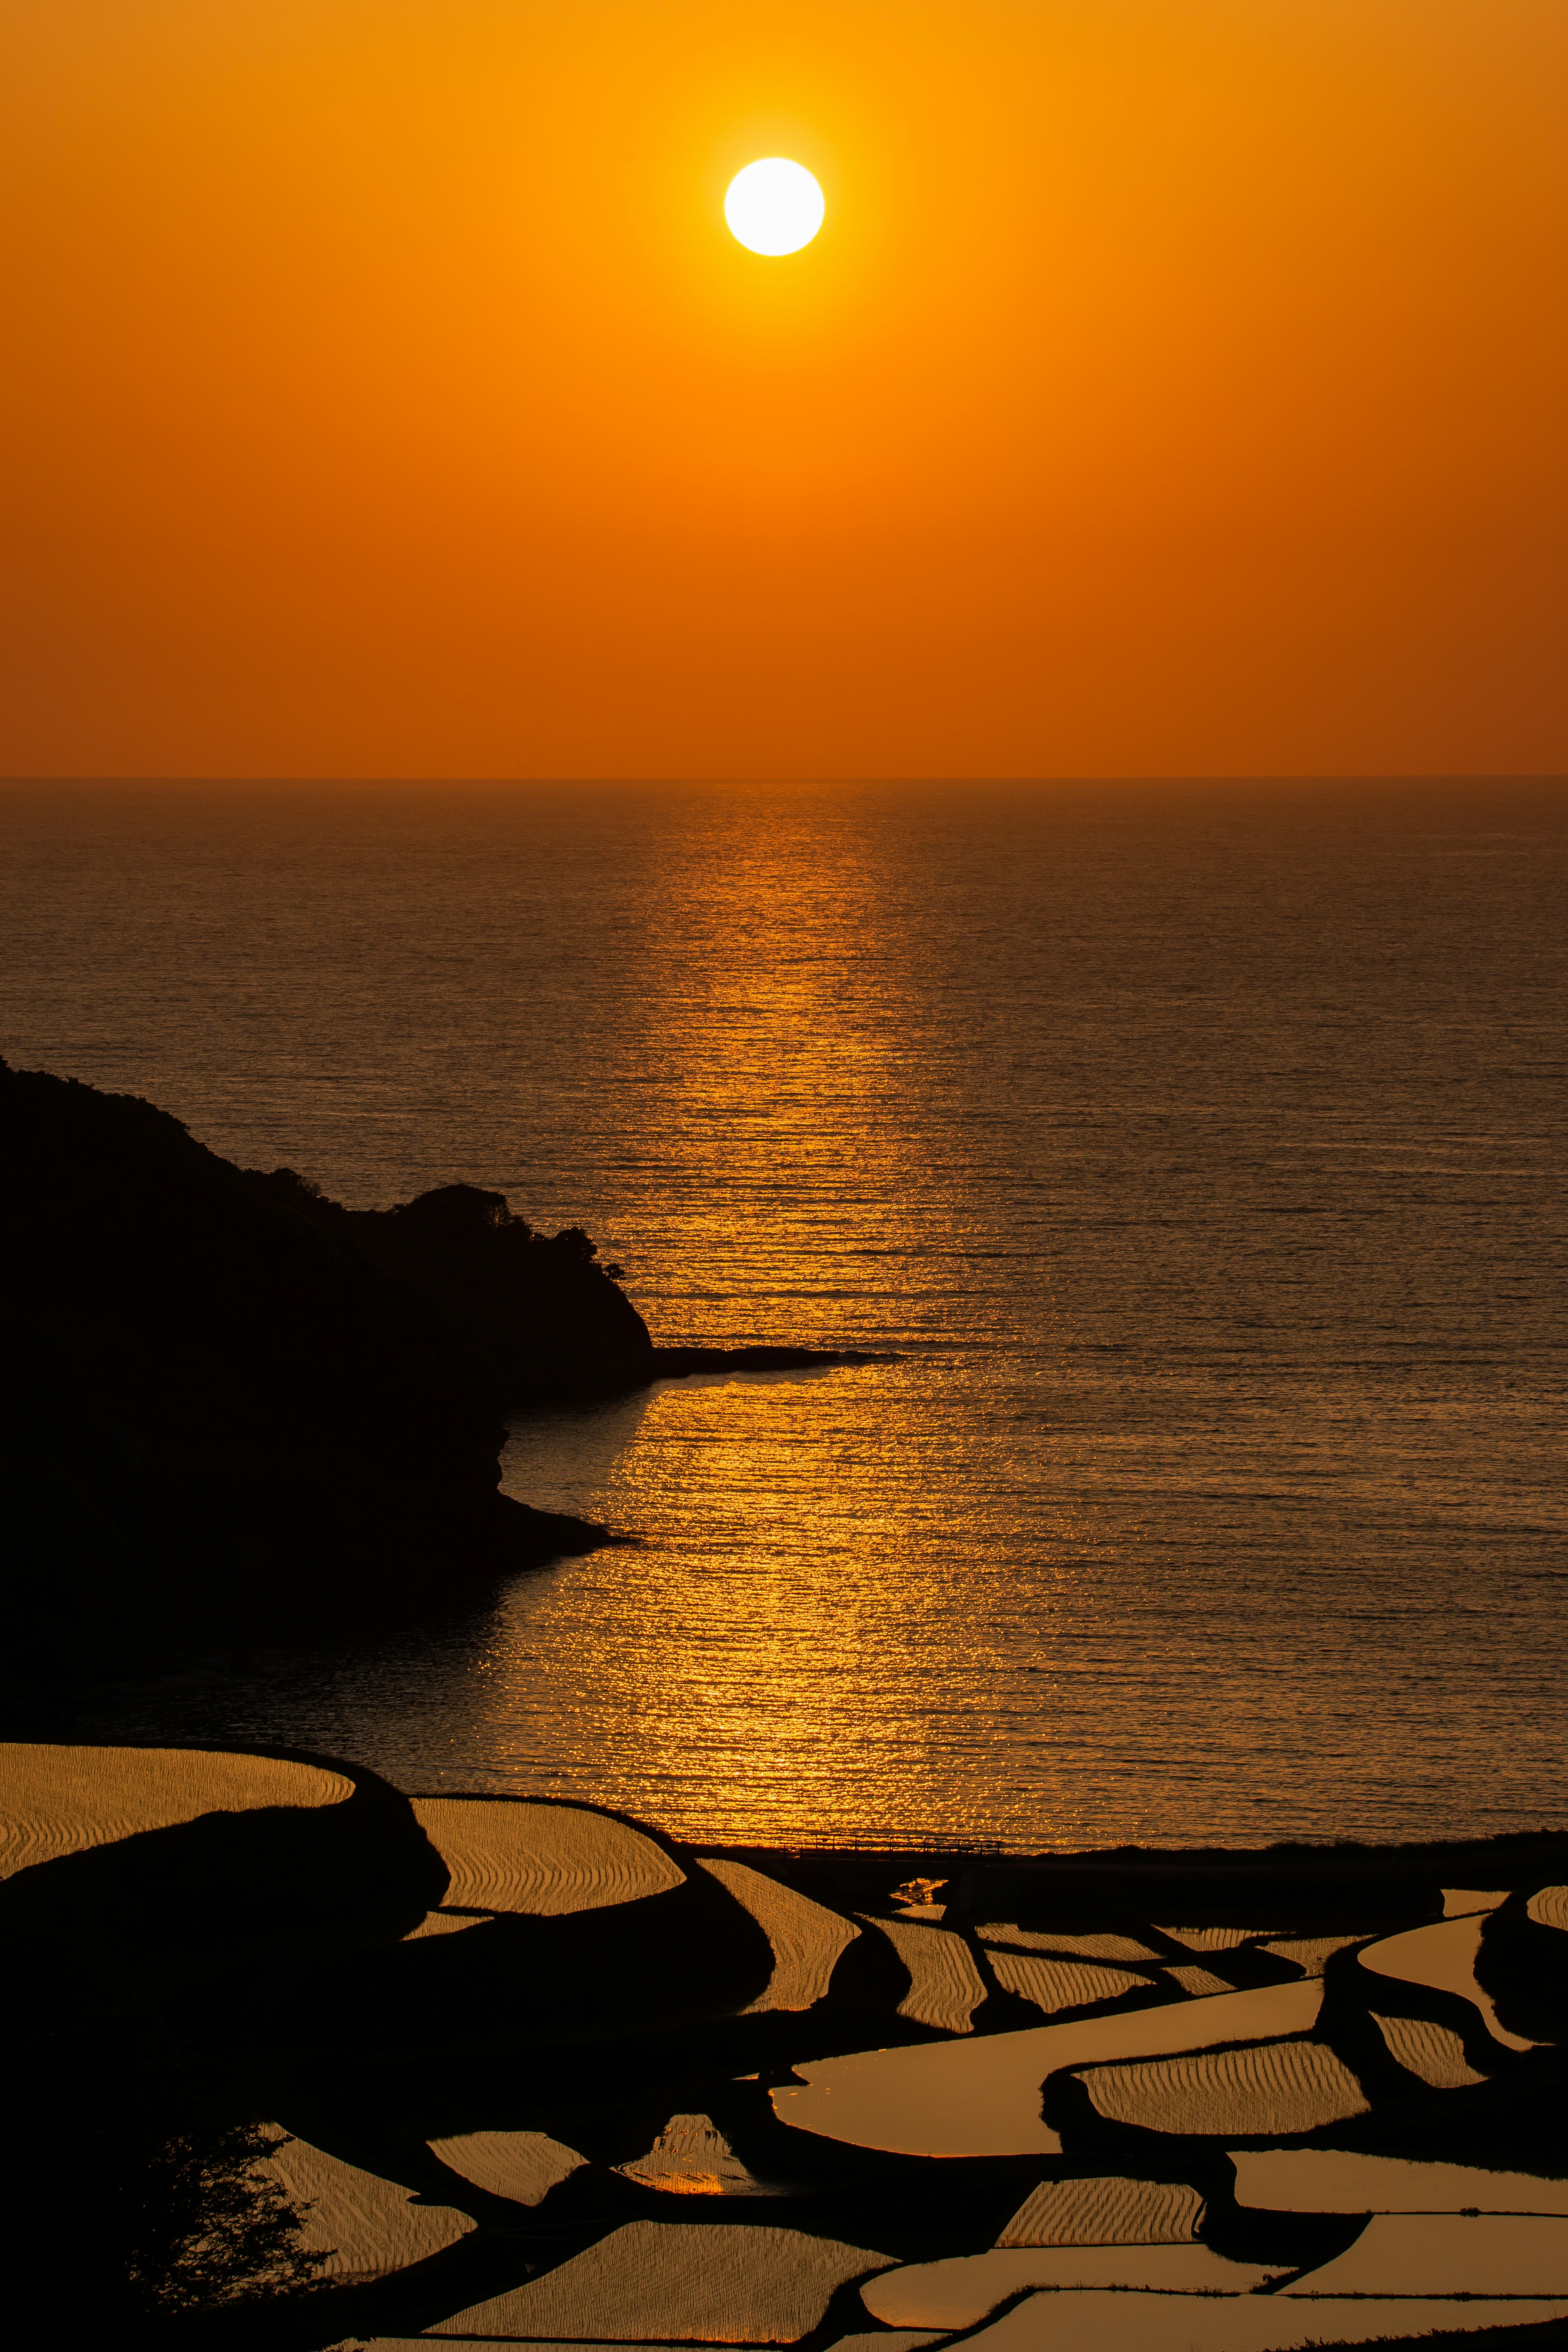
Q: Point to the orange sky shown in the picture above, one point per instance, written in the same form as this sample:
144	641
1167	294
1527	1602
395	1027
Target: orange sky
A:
1177	386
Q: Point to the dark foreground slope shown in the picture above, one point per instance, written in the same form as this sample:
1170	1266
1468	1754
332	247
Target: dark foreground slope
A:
223	1419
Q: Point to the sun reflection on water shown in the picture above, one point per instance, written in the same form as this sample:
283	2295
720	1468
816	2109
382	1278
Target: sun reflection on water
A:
1198	1152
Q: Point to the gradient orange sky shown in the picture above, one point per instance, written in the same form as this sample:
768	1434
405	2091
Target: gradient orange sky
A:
1176	386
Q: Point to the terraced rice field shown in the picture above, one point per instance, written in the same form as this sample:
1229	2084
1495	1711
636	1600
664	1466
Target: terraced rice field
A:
1443	1956
945	1986
1108	1947
1338	2180
1311	1954
513	1854
1197	1983
959	2293
447	1923
1060	1984
1217	1939
1267	2090
692	2158
522	2165
656	2282
1431	2052
57	1799
808	1939
983	2097
889	2339
605	2246
1108	2210
1549	1907
1449	2253
365	2226
1100	2322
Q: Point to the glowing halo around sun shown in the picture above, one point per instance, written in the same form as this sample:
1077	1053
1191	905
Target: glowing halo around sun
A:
773	206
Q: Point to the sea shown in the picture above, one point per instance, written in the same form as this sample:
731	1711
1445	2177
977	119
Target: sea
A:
1195	1151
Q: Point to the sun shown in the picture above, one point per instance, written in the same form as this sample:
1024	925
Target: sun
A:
773	206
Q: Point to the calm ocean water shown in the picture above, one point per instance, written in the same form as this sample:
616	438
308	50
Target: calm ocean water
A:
1200	1149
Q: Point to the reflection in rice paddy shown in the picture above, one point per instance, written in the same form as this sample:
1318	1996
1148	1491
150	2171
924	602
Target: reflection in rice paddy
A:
1340	2180
1267	2090
945	1986
55	1798
447	1923
983	2097
889	2339
1449	2253
1060	1984
1444	1957
1112	2322
513	1854
696	2281
363	2225
1432	2052
1086	1947
1107	2211
1217	1939
1092	2260
959	2293
692	2158
522	2165
1549	1909
808	1939
1197	1983
1311	1954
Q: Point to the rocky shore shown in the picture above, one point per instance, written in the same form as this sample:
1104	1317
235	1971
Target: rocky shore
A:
236	1414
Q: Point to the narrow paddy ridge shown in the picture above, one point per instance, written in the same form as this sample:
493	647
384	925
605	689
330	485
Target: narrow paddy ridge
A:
653	2281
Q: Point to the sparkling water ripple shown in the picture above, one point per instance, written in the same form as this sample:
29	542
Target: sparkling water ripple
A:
1198	1148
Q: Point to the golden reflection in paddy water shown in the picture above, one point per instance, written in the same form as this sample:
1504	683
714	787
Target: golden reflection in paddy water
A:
1198	1152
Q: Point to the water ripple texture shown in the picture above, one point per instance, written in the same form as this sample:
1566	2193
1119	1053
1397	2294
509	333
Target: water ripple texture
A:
1198	1150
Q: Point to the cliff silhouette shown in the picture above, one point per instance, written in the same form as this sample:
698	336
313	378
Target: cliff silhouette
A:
536	1316
233	1412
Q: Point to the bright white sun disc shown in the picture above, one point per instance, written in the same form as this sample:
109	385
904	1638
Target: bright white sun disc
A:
773	206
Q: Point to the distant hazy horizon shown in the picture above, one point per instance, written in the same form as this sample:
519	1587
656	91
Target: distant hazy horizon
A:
1245	780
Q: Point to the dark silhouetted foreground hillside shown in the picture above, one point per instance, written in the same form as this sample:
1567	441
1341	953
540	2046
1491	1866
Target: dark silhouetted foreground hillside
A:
235	1412
539	1318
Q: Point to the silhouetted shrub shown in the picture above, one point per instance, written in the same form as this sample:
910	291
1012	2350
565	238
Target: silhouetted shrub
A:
202	2227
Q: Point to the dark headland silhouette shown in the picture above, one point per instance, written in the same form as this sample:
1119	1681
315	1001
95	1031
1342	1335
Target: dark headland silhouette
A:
237	1413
